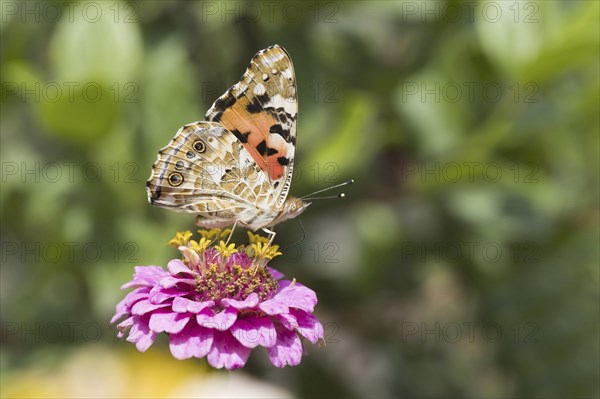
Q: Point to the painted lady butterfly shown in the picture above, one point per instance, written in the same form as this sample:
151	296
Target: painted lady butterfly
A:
236	166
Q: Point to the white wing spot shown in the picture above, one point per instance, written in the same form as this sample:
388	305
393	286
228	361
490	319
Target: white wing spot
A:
259	89
278	56
274	71
265	77
216	132
215	173
288	104
287	73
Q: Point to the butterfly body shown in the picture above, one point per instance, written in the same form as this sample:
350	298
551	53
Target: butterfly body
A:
237	165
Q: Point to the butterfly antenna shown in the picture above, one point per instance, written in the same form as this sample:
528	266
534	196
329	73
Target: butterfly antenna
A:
342	195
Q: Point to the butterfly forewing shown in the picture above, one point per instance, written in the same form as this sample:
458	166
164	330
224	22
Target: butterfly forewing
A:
261	111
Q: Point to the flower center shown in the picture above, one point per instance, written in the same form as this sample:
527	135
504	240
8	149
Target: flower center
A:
235	282
226	270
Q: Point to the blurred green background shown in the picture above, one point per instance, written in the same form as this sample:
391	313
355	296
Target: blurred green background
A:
463	262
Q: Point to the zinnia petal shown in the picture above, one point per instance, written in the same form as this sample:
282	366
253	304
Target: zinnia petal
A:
176	266
287	350
308	325
159	294
145	306
274	306
140	334
136	295
297	296
254	331
192	341
287	320
170	281
182	305
120	310
277	275
168	322
145	276
227	352
127	323
250	302
220	321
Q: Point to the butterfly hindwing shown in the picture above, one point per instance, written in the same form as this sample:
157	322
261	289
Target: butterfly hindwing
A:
261	111
205	170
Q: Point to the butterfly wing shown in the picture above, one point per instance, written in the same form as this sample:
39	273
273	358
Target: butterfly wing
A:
261	111
205	170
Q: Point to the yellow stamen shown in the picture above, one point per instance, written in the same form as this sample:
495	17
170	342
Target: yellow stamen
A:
226	250
181	239
199	247
264	251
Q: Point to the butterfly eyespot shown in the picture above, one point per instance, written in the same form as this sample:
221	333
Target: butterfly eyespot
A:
199	146
175	179
190	155
179	165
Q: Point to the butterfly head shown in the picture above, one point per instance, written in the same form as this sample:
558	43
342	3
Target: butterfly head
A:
292	207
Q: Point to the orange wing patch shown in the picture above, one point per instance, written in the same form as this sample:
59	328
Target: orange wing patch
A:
268	150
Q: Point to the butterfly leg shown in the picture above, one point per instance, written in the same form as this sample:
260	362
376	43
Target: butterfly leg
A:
264	251
231	233
272	235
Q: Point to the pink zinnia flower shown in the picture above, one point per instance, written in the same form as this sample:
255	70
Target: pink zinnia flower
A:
220	302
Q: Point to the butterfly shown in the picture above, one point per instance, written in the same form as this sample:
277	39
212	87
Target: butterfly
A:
235	167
